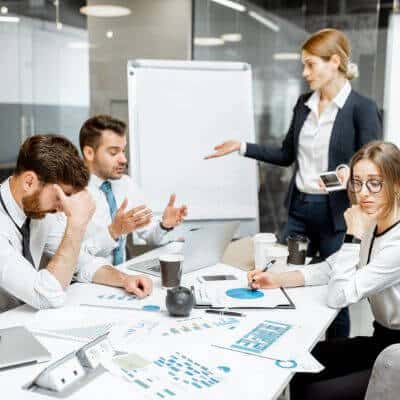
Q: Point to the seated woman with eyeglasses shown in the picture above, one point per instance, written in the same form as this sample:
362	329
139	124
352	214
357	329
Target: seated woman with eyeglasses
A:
371	270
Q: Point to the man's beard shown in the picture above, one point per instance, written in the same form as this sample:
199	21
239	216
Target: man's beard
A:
31	205
108	174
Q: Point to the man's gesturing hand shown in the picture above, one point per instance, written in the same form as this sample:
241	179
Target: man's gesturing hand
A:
128	221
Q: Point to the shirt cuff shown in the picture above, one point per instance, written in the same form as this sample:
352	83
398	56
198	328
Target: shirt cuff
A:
243	148
87	271
158	232
316	274
48	290
102	243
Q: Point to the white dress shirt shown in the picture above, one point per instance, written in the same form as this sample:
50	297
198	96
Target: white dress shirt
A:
20	281
98	240
315	135
370	270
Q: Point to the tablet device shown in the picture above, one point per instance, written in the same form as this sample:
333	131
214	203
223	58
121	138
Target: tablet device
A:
331	181
19	347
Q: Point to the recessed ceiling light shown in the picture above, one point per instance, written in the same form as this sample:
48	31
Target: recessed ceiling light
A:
9	19
105	11
4	10
231	37
286	56
231	4
208	41
110	34
265	21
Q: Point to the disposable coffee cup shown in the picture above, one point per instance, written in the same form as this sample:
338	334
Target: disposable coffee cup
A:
171	269
297	246
262	241
278	253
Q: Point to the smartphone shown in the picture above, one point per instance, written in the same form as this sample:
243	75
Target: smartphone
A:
214	278
331	181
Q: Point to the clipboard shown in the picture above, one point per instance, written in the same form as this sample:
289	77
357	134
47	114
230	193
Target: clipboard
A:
289	306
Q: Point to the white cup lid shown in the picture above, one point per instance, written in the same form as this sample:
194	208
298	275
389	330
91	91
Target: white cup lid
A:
265	238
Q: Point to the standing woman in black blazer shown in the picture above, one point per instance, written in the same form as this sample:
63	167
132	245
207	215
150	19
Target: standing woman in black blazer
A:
328	126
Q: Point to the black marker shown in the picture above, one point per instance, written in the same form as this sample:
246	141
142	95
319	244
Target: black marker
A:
222	312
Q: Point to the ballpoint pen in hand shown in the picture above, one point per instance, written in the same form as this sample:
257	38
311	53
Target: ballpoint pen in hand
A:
269	264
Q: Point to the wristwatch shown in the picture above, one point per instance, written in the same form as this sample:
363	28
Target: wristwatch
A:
351	239
164	228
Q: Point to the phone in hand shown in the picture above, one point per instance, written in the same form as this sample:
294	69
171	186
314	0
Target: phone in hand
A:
331	181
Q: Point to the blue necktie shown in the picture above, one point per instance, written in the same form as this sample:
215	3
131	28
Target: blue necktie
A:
118	253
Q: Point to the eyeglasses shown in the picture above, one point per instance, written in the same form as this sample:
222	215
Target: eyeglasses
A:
373	185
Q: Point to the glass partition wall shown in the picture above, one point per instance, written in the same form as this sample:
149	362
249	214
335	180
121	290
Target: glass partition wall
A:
45	73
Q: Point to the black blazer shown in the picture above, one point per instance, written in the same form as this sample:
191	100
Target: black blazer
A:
357	123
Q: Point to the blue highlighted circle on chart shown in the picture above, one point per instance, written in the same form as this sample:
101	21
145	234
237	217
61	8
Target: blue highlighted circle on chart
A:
244	294
150	307
287	364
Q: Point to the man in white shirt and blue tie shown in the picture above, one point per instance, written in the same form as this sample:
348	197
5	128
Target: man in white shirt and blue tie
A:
45	209
120	205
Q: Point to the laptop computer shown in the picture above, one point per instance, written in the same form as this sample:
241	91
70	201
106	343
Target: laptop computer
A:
19	347
203	246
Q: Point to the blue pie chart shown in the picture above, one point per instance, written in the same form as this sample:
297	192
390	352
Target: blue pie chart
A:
244	294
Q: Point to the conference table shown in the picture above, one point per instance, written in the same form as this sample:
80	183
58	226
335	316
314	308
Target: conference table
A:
249	376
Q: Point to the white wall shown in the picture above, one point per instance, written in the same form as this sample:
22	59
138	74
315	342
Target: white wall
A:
392	83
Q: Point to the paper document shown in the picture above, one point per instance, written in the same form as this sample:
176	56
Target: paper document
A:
110	297
124	333
170	375
75	323
275	340
178	328
236	296
69	323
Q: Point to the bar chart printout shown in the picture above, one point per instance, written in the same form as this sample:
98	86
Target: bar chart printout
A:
173	375
261	337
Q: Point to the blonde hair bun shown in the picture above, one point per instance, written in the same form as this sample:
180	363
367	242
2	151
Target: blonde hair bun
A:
352	71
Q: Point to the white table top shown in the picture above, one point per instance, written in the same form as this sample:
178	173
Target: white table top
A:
249	377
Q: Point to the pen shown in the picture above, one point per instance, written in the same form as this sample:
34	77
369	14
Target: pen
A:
269	264
222	312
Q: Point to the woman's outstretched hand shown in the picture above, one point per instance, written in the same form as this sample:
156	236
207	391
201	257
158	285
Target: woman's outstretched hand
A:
224	148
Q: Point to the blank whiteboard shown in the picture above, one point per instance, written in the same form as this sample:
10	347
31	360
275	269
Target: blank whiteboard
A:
178	111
